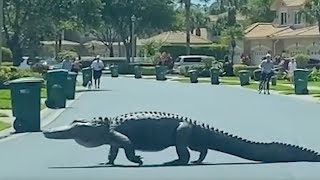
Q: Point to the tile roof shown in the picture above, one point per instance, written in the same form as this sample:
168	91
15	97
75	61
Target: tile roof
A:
262	30
294	2
176	37
267	30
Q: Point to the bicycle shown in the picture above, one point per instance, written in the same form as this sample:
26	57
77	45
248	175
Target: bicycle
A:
263	86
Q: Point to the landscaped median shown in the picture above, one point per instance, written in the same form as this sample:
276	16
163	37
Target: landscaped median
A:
283	86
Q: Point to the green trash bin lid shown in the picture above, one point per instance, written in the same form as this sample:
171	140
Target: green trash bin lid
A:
24	80
57	70
72	73
244	71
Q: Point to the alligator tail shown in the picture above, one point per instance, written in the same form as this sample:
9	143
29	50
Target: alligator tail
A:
256	151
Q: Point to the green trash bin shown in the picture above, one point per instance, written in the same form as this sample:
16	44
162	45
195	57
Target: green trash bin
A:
301	81
71	85
86	76
214	75
257	74
137	72
193	76
56	88
26	104
114	71
244	76
160	73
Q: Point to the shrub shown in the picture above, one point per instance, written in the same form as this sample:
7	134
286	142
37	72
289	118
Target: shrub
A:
148	71
202	70
237	68
8	73
40	68
314	75
6	54
67	54
302	60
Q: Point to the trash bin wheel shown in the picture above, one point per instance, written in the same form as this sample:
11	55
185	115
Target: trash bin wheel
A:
19	126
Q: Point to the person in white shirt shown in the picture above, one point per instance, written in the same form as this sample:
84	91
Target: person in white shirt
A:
97	67
292	66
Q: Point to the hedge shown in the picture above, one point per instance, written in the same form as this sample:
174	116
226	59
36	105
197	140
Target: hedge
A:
6	54
216	50
239	67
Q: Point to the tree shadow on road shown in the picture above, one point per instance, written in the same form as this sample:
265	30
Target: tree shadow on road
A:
92	90
157	165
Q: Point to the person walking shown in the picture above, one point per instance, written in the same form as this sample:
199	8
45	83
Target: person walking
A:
292	66
97	67
67	64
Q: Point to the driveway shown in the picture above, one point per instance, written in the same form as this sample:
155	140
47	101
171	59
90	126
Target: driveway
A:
238	111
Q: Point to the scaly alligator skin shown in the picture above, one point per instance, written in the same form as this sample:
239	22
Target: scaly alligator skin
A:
156	131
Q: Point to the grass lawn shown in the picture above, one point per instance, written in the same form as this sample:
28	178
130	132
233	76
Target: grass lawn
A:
4	125
3	115
5	98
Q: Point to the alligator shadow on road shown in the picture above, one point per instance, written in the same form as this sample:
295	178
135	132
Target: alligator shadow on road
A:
157	165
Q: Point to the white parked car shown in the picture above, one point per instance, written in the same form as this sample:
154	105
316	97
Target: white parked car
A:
189	60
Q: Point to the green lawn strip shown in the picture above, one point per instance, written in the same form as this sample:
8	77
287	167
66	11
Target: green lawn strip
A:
4	125
5	98
3	115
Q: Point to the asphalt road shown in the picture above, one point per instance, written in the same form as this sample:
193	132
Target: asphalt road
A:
238	111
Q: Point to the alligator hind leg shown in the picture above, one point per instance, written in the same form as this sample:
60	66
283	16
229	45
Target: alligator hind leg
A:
182	140
202	156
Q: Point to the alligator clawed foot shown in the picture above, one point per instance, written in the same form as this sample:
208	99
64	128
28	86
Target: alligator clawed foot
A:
106	164
196	162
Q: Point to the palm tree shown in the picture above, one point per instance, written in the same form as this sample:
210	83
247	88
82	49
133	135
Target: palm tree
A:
187	6
311	11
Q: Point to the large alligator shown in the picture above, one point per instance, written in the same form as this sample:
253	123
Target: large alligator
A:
156	131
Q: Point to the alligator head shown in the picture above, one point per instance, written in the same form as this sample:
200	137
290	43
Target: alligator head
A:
85	133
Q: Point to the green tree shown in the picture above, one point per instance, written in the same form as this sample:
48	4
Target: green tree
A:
229	37
147	13
258	11
311	11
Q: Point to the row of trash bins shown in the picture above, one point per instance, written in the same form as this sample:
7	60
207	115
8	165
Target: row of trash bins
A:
26	97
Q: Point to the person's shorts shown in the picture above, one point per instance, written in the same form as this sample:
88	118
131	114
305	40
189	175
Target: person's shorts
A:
97	74
266	75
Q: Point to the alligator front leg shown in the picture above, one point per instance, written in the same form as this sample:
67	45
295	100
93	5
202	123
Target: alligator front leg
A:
182	140
122	141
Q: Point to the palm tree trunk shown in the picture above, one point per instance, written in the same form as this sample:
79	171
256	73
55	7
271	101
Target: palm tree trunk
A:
187	7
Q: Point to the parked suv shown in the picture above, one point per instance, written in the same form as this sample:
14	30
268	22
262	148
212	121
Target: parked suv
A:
188	60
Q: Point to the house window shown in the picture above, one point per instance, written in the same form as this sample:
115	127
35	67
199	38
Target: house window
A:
283	16
297	17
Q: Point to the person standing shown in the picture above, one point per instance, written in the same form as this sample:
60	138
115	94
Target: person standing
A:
292	66
67	64
97	67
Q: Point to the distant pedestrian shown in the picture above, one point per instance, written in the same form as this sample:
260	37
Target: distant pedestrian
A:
97	67
67	64
292	66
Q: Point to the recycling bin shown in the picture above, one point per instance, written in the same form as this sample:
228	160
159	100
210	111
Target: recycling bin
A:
71	85
56	88
301	81
244	76
26	104
257	74
193	76
86	76
114	71
137	72
214	75
160	73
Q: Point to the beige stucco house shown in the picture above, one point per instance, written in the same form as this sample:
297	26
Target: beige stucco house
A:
288	32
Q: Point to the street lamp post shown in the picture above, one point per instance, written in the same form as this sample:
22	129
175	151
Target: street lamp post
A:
133	19
1	27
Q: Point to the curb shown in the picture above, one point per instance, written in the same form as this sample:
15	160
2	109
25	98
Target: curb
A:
48	116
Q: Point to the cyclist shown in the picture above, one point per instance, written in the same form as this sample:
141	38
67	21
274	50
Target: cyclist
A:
266	67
